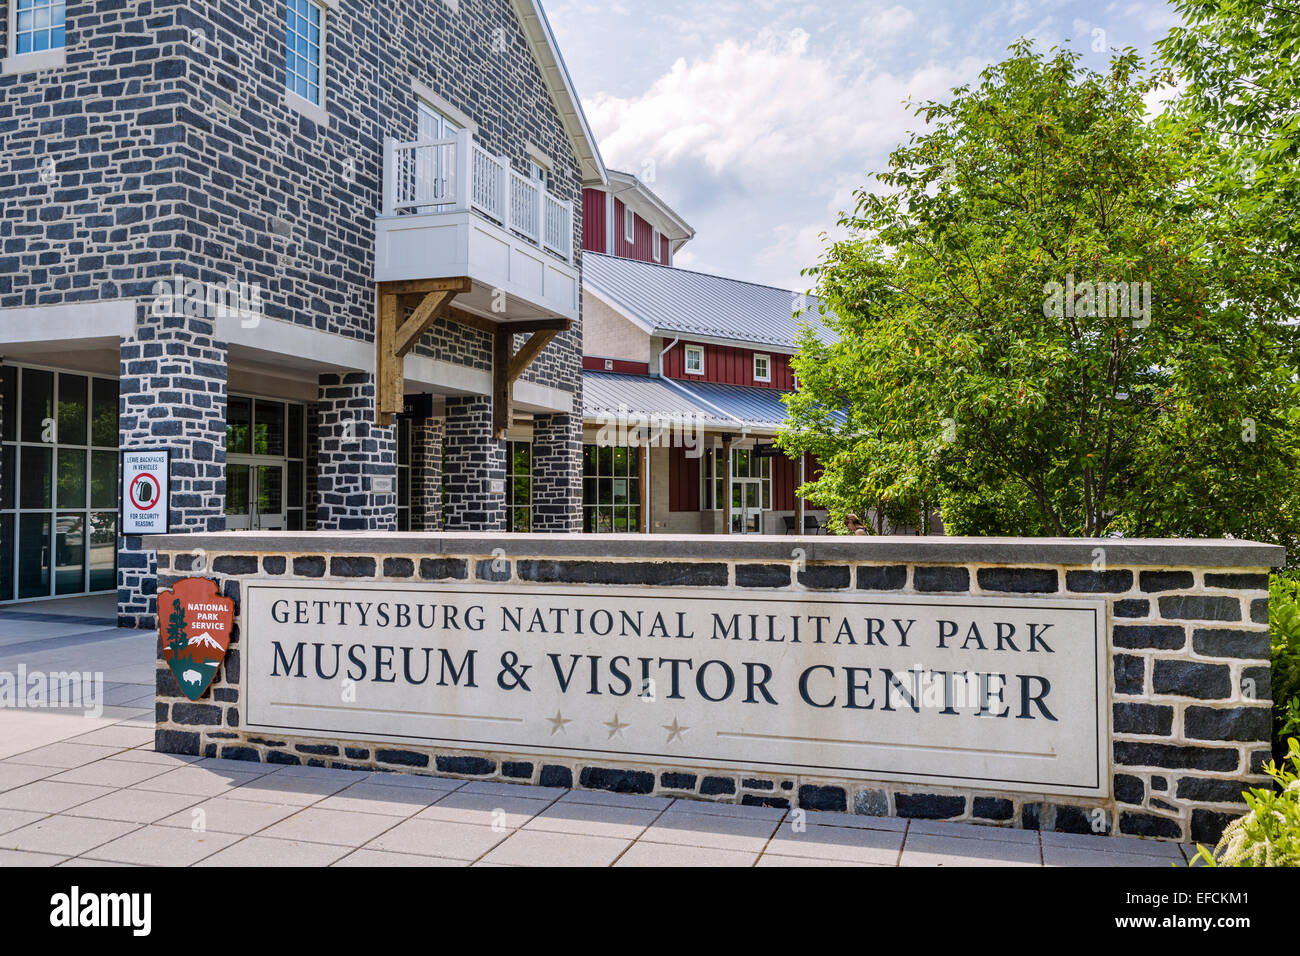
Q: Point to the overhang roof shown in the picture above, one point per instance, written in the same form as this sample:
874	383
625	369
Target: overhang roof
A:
673	302
677	229
538	31
738	408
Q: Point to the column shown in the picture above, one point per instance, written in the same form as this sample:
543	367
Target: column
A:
172	395
426	473
356	460
557	473
474	471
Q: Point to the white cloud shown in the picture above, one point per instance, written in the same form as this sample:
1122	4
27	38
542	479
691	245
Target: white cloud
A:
764	114
888	24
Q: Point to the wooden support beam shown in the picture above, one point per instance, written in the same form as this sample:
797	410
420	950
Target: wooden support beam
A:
389	378
462	317
503	404
412	286
409	332
530	350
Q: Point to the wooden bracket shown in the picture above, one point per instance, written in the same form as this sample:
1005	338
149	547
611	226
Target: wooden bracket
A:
430	300
507	367
394	338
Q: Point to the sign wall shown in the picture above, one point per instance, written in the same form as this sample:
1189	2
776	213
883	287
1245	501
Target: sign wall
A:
1006	694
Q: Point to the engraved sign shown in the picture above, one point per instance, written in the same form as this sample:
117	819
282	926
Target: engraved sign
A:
995	693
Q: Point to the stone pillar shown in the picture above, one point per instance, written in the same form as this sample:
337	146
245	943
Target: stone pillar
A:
356	460
557	473
172	395
475	468
426	474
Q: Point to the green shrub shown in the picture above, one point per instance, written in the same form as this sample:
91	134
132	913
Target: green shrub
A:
1269	834
1284	641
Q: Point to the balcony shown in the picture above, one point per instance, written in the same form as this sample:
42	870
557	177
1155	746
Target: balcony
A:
453	210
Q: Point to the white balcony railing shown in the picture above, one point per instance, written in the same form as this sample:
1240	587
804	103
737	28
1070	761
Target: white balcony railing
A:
456	174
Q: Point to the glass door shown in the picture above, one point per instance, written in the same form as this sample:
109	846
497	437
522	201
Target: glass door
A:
255	496
268	498
435	167
746	506
265	464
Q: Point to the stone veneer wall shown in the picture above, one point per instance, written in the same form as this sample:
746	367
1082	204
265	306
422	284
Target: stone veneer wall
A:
1188	645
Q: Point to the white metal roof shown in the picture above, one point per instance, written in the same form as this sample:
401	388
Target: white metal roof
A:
677	302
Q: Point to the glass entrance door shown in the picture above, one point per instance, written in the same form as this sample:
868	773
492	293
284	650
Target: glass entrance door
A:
255	495
265	464
746	506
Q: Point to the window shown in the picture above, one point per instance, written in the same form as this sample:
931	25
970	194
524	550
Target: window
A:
58	483
654	244
629	224
536	172
762	368
519	486
37	25
611	489
304	61
694	360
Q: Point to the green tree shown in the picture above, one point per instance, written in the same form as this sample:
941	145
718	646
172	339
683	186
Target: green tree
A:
1238	67
1042	324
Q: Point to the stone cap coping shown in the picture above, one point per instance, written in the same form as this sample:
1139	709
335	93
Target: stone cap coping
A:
903	549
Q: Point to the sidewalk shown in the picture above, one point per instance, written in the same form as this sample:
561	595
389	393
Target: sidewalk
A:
79	791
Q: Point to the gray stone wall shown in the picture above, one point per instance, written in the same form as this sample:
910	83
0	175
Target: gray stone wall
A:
172	395
557	473
474	468
356	460
426	474
1190	710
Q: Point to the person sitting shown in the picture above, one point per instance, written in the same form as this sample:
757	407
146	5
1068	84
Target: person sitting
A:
854	524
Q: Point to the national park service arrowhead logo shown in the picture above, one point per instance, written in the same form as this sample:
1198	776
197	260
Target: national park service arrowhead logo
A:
195	624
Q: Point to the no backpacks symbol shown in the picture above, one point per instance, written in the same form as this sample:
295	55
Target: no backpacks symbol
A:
195	625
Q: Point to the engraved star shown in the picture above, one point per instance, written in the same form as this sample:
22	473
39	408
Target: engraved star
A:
674	730
615	726
558	722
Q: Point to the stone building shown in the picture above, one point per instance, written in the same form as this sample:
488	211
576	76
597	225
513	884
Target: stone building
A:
327	254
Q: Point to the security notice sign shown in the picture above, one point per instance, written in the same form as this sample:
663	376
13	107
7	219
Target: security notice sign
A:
145	495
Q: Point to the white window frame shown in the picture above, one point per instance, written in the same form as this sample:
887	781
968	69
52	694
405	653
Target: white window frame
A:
629	224
654	235
317	112
767	362
687	351
34	60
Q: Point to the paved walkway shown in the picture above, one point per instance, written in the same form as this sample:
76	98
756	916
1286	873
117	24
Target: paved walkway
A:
91	791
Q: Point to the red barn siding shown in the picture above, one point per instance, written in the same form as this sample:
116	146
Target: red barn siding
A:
785	478
593	220
683	481
730	366
594	363
642	245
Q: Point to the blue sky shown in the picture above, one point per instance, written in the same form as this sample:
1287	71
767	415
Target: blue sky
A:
756	119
